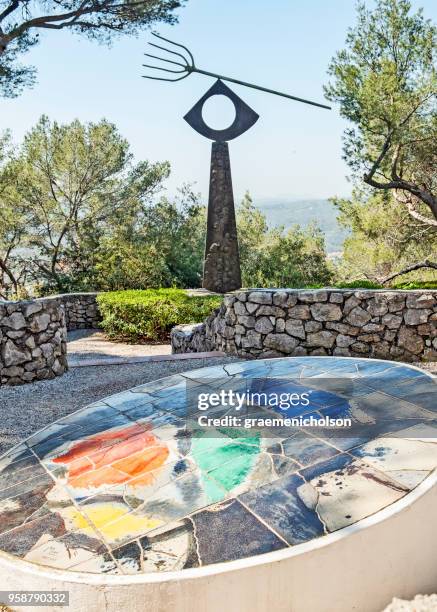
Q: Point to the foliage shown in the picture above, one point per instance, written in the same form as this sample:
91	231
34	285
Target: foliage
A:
274	258
71	184
385	82
287	212
77	214
12	229
163	246
150	314
384	238
21	23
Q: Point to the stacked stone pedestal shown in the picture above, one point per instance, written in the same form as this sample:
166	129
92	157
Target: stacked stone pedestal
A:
396	325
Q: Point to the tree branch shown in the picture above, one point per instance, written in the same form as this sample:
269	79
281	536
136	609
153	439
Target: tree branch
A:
9	273
413	212
416	266
9	9
386	146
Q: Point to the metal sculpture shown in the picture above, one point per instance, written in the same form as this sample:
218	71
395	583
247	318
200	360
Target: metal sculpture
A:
221	271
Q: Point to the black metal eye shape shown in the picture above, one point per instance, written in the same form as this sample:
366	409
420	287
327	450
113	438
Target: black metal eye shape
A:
245	117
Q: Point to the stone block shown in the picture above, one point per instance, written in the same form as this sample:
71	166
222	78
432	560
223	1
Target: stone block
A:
246	321
267	311
15	321
420	300
280	325
377	306
240	308
284	299
295	328
326	312
260	297
343	328
313	326
350	304
396	302
323	338
392	321
415	316
372	328
358	317
360	347
343	341
263	325
14	355
301	312
280	342
336	298
315	295
409	340
252	339
341	352
39	322
251	308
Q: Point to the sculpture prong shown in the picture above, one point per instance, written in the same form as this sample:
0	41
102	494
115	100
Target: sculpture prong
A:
190	66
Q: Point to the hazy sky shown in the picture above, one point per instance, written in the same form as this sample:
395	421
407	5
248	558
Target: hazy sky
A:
293	151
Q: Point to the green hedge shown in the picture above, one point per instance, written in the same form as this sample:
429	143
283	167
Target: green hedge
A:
138	316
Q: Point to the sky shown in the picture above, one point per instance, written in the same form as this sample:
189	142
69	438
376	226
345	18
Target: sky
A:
294	151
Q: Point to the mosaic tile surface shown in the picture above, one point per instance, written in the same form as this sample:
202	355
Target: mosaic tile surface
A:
125	486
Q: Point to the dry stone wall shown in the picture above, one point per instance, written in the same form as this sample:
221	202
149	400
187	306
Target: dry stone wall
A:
33	341
33	335
81	310
397	325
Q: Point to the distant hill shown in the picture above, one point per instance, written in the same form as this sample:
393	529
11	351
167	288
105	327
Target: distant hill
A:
286	212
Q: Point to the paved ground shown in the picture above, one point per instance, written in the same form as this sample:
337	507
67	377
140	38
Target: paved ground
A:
93	344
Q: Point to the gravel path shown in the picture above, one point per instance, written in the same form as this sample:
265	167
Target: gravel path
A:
26	409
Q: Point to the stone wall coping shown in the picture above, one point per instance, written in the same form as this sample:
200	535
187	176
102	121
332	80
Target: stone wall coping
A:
76	294
45	299
332	289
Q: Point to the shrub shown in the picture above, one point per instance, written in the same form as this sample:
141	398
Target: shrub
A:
150	314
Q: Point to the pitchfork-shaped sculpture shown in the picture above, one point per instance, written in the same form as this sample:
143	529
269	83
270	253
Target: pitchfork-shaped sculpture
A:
221	270
189	66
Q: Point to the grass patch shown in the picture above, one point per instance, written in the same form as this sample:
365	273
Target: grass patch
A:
359	284
416	285
356	284
149	315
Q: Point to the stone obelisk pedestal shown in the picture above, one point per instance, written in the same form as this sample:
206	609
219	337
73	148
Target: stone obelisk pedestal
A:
221	271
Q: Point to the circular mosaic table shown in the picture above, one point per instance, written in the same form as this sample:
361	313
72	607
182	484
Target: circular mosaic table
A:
127	486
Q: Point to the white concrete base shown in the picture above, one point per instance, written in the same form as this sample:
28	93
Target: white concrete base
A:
357	569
